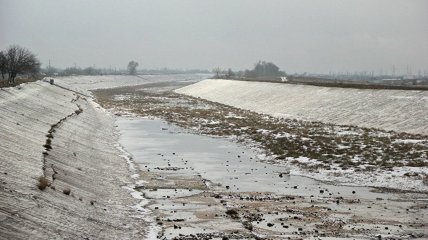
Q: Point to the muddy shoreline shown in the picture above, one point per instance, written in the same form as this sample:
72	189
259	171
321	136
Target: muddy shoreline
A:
331	153
208	196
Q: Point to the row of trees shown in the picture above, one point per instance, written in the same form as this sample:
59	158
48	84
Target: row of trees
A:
69	71
262	69
17	60
79	71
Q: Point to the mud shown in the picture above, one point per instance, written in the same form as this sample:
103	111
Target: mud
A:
222	187
348	154
206	188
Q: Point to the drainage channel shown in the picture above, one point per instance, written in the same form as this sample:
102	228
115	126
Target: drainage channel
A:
204	187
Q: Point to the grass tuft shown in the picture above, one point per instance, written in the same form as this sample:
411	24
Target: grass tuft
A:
43	182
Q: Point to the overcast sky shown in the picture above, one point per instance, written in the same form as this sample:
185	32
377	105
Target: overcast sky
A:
299	36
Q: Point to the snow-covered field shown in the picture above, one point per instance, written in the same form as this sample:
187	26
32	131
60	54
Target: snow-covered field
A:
111	81
397	110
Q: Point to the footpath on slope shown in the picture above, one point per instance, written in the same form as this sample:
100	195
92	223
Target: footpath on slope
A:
396	110
50	132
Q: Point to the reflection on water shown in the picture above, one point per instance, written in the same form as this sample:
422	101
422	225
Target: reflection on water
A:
158	146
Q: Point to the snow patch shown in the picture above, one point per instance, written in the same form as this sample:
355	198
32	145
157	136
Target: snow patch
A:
409	141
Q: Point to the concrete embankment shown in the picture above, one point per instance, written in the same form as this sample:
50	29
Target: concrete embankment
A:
49	132
397	110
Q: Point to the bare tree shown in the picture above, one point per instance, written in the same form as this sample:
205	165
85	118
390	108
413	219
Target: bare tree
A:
217	72
132	67
230	73
3	64
20	60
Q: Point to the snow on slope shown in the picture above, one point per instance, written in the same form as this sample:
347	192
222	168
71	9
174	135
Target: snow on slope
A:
87	83
83	159
398	110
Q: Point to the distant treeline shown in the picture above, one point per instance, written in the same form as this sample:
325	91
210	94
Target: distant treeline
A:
400	83
70	71
261	70
269	72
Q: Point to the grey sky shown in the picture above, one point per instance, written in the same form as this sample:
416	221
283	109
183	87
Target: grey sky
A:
299	36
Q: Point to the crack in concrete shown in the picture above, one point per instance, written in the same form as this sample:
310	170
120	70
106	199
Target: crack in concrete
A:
48	144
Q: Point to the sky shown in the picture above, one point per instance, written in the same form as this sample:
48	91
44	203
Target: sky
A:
316	36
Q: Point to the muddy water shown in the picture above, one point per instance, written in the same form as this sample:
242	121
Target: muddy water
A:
181	170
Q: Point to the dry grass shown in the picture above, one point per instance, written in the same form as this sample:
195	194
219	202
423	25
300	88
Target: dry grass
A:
330	145
43	182
18	80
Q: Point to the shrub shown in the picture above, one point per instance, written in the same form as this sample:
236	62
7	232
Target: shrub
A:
43	183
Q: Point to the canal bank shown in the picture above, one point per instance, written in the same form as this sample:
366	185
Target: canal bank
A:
61	174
